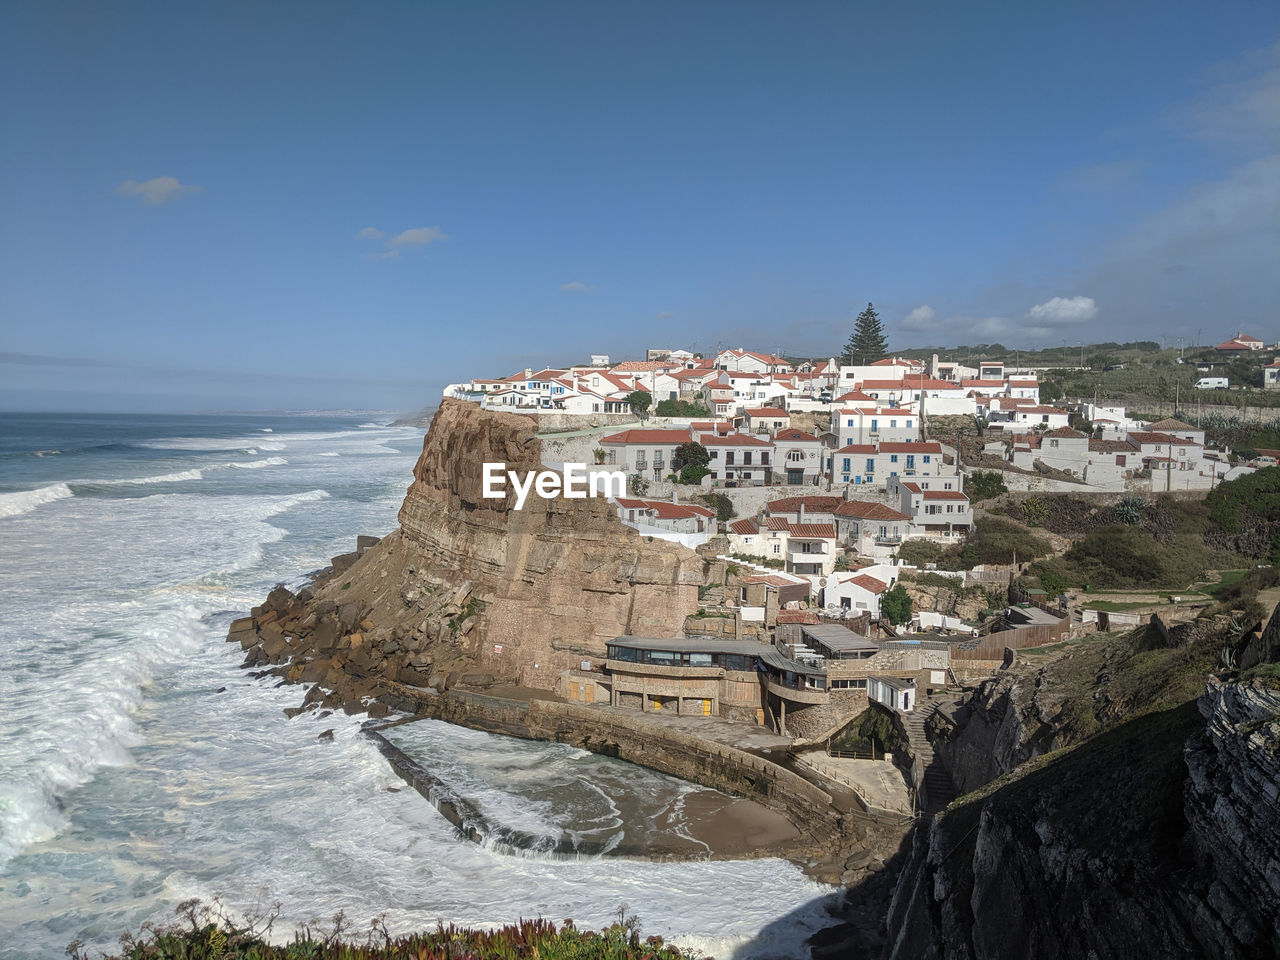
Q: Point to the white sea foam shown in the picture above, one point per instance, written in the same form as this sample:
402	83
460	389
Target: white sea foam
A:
329	453
179	477
259	464
13	504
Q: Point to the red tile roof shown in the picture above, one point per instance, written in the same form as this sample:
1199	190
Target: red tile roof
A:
665	510
1042	409
868	583
815	531
1142	436
767	412
855	395
1024	383
747	526
865	510
944	495
858	448
794	435
776	523
675	437
1066	432
1169	423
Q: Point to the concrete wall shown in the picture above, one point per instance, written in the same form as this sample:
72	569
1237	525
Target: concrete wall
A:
668	750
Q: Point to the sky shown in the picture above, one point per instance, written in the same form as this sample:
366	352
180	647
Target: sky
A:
320	205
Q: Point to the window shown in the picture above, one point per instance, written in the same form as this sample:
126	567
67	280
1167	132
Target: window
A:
871	464
746	458
793	456
728	457
925	458
777	548
893	424
847	466
893	458
911	461
764	459
875	425
613	457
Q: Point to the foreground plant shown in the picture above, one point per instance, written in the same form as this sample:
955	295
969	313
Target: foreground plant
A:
206	932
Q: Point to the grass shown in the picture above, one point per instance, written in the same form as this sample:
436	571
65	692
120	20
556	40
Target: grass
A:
1112	606
1227	578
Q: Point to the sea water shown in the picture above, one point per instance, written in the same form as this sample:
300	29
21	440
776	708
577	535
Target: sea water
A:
141	766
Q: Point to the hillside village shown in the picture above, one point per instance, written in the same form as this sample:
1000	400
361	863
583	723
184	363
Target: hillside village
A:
899	502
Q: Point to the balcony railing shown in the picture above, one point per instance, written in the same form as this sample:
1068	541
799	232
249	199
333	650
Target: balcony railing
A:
887	541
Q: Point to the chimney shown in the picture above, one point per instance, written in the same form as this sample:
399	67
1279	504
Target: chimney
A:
801	520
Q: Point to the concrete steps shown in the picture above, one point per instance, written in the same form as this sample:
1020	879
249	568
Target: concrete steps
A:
935	787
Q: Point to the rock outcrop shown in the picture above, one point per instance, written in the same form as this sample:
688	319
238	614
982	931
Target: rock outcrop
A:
470	591
1129	820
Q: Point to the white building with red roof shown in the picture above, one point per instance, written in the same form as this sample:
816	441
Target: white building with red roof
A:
738	459
873	529
799	457
764	420
1240	343
644	452
938	506
856	592
748	361
693	523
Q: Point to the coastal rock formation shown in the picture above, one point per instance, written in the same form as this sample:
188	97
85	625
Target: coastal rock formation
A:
471	591
1152	829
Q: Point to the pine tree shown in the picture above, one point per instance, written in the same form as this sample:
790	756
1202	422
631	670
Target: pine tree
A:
867	343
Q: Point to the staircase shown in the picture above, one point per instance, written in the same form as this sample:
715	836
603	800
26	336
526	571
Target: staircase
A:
936	789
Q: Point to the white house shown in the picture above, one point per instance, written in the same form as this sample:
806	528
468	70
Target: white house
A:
665	515
739	459
1037	417
765	419
936	509
798	453
873	529
807	549
1271	376
858	425
855	592
748	361
1062	449
644	452
868	463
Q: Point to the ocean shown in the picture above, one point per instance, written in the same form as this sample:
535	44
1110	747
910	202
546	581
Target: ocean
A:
141	766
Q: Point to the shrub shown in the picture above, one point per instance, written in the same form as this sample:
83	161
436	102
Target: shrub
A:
1001	541
680	408
1034	511
919	552
1130	509
721	504
984	484
895	605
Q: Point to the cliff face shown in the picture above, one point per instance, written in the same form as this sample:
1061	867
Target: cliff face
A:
1157	833
471	590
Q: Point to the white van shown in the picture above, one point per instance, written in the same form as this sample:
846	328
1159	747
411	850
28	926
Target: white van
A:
1211	383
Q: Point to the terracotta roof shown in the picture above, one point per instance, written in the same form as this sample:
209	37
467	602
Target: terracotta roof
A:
913	446
944	495
982	383
858	448
913	487
868	583
772	579
1024	383
767	412
732	440
794	435
819	504
909	383
645	366
817	531
1066	432
776	523
665	510
676	437
1169	423
715	426
865	510
1042	409
896	362
747	526
855	395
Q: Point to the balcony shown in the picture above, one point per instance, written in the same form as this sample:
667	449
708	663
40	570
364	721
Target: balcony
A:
883	540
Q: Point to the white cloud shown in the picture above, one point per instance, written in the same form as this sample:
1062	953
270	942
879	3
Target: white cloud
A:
155	191
921	318
417	237
574	286
370	233
1241	106
1063	310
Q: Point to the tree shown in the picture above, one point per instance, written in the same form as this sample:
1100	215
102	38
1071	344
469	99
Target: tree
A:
895	606
690	461
867	343
985	484
639	401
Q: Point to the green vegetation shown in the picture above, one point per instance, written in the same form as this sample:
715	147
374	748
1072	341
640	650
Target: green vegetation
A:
773	563
867	343
1122	556
984	485
680	408
870	732
997	540
895	605
690	461
639	401
208	934
919	552
721	503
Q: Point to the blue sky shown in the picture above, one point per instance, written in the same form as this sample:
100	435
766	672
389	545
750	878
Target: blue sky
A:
302	205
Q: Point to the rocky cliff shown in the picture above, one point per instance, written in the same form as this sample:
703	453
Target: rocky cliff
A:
470	590
1134	820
